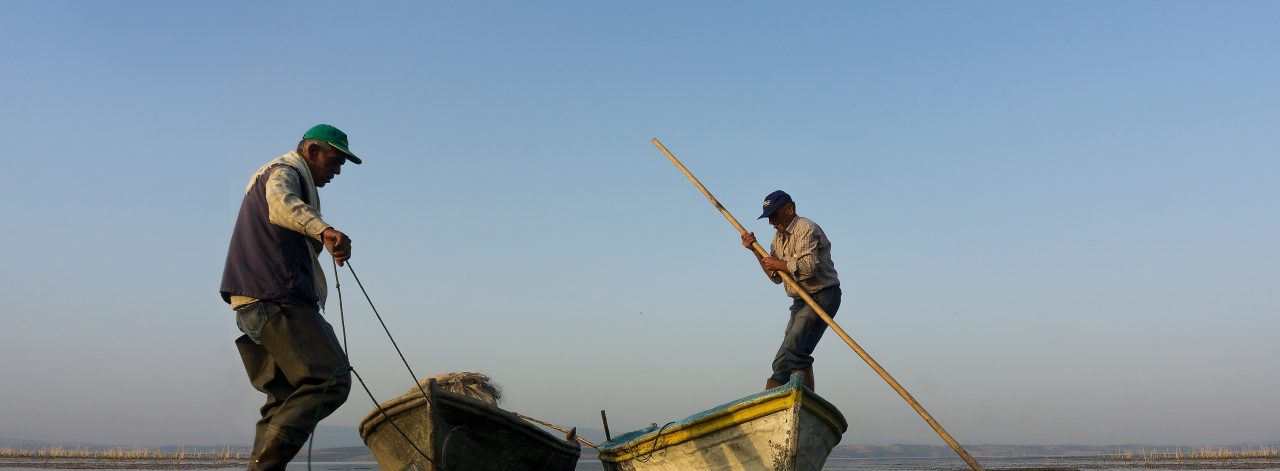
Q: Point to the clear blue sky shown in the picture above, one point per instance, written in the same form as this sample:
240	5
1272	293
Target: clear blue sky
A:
1055	222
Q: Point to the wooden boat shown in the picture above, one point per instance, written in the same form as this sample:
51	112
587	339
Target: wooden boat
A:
458	427
785	428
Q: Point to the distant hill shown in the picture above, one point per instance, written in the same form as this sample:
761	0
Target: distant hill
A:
326	437
347	454
23	443
332	436
331	443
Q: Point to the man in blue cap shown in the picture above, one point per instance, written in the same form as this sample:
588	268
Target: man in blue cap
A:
801	249
274	283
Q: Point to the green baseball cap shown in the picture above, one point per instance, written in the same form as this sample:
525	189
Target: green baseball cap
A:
332	135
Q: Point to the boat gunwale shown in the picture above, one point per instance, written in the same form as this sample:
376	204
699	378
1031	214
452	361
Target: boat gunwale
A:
408	403
789	396
495	413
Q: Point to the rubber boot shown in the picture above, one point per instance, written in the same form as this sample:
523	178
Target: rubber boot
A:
274	456
257	448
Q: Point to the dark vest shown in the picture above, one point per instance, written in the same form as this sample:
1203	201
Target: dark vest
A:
266	261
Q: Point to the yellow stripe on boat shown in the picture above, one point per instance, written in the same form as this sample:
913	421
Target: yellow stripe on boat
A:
736	414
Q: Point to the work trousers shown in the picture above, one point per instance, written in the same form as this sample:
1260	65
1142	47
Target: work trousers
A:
292	355
803	332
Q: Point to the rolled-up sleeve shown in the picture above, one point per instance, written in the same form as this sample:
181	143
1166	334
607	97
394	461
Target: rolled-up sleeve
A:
286	209
775	278
773	252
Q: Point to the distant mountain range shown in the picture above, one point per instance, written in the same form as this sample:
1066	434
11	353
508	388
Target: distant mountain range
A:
326	436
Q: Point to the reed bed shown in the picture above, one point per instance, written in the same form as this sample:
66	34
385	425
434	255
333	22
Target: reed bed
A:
124	454
1205	454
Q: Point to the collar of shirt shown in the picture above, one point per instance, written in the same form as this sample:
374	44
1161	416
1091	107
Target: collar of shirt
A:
787	230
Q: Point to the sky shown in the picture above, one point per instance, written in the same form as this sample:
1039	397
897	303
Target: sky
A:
1053	222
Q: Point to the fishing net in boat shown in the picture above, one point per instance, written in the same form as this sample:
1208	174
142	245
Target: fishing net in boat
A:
472	385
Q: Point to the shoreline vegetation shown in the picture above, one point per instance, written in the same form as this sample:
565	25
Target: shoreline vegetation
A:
1200	454
137	457
124	454
57	457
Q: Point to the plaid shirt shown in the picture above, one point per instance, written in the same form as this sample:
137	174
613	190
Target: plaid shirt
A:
807	252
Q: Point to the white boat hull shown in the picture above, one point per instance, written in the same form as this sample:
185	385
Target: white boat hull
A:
786	429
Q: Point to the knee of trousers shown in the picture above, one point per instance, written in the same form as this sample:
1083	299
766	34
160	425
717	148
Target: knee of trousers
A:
341	388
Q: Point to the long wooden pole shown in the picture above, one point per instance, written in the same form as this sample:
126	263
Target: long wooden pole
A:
946	437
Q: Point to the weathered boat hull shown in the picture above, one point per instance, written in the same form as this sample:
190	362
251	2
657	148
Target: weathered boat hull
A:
788	428
457	433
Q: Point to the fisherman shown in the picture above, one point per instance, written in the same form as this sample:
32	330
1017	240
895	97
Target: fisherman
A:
801	249
273	281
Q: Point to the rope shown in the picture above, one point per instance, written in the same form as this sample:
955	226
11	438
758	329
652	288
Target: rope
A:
392	422
553	426
388	331
337	284
648	456
338	373
343	370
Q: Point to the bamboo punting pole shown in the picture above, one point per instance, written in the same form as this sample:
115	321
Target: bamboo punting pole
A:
946	437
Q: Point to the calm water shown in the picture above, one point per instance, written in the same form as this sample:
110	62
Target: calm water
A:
884	464
1020	464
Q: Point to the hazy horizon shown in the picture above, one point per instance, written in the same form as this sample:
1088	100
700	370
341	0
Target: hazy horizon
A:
1054	222
333	436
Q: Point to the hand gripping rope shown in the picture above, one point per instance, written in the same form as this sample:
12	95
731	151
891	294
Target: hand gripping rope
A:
343	370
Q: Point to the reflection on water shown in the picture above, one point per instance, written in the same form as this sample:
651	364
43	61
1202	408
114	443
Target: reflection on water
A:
834	464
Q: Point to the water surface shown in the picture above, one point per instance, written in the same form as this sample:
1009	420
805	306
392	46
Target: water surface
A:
833	464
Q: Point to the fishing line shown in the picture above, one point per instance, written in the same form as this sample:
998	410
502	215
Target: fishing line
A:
645	457
343	370
385	329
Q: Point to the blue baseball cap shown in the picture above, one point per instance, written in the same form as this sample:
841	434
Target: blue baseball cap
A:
775	200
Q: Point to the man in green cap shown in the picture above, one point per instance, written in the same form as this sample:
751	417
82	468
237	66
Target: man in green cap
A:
274	283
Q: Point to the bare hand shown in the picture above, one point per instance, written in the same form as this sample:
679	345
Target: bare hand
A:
339	244
748	240
774	264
